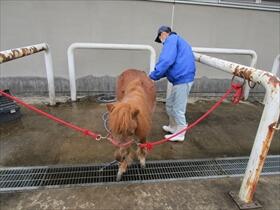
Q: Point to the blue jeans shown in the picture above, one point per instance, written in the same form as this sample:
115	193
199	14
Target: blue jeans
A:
176	103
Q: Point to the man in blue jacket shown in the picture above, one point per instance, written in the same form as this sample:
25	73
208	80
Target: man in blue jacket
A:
177	63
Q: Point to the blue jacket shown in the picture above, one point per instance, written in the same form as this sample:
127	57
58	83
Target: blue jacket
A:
176	61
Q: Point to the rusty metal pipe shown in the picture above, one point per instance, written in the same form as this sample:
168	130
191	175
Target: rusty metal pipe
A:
9	55
269	119
13	54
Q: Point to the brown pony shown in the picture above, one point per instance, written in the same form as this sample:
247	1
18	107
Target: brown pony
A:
130	117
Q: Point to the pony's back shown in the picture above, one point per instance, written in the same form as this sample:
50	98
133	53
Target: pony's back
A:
129	76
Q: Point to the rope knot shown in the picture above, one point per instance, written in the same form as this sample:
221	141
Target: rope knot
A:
238	93
149	146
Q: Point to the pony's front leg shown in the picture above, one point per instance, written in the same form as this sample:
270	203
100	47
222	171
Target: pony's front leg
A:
122	169
125	159
142	153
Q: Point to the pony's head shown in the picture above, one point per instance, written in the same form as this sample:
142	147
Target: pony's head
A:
122	120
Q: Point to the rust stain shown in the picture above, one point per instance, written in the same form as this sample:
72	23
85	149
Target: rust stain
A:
5	57
243	72
252	185
2	58
35	49
17	53
24	51
273	80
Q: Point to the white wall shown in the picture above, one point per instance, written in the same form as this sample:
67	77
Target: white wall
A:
60	23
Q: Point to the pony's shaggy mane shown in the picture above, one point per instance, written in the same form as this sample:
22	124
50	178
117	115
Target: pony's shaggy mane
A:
135	103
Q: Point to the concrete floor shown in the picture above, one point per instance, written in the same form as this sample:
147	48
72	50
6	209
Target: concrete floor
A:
227	132
187	195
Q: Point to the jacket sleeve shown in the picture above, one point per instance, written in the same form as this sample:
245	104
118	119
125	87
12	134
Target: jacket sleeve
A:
166	59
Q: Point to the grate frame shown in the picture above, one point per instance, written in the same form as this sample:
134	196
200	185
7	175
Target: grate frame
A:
57	176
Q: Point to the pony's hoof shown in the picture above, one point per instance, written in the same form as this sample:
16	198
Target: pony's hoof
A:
143	164
119	176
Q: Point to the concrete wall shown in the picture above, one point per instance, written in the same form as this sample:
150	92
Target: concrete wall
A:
61	23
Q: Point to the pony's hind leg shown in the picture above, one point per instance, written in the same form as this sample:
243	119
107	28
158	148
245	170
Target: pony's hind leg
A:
125	157
141	154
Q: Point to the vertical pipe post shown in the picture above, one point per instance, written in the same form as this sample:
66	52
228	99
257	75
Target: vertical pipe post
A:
71	70
268	123
253	63
262	142
50	75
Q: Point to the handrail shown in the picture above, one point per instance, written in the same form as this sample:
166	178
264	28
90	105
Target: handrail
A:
71	63
268	122
12	54
252	53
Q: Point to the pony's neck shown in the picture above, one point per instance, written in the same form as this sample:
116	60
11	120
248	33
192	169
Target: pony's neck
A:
133	96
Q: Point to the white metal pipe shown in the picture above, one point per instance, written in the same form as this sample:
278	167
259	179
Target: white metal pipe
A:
253	63
275	71
251	53
50	75
276	66
12	54
225	51
71	62
268	121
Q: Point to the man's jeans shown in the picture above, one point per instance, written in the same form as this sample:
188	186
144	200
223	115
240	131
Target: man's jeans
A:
176	103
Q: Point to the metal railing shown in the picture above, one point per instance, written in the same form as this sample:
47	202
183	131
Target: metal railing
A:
12	54
268	123
251	53
71	62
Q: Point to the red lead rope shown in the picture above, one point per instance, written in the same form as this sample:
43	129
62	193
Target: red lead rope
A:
237	96
60	121
149	146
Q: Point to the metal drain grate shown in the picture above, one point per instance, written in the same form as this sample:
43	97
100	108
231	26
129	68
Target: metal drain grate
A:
28	178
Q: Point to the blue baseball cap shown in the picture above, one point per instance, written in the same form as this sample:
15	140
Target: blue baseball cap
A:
161	29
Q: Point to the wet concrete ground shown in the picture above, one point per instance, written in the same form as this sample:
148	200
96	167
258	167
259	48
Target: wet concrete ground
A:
227	132
188	195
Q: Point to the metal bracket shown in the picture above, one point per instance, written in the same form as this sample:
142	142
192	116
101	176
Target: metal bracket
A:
241	204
